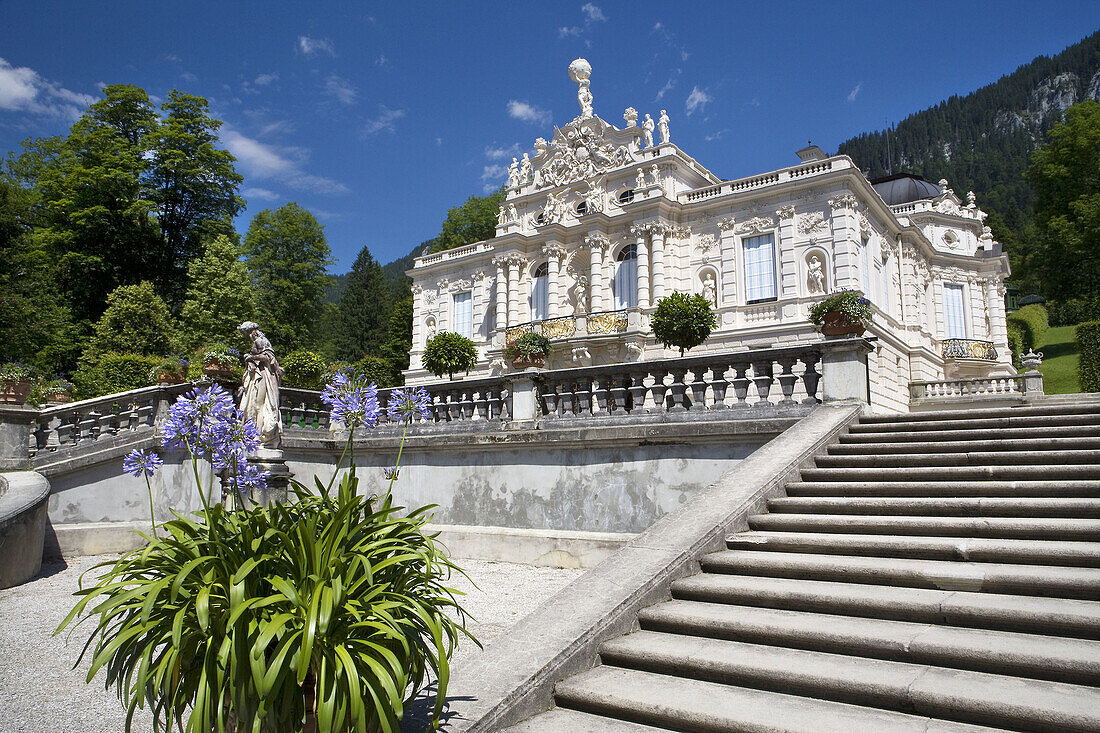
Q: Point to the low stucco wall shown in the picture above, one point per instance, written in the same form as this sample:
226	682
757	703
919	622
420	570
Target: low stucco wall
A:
23	497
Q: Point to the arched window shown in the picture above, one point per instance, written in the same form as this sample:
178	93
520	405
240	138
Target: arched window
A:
540	293
625	284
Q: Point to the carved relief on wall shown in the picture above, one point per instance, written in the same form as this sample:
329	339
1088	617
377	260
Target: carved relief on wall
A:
812	224
785	212
707	246
580	150
755	224
817	271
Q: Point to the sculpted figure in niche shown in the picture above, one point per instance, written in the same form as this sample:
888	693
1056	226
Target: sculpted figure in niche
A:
710	289
580	296
513	174
815	275
260	388
662	126
648	127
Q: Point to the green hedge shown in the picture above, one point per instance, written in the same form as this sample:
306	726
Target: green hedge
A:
1073	311
378	370
1088	346
1015	342
303	369
113	373
1033	323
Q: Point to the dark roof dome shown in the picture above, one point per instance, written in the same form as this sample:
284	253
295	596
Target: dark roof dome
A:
904	187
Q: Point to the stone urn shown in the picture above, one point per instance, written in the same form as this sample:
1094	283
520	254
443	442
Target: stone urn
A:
217	370
837	323
15	392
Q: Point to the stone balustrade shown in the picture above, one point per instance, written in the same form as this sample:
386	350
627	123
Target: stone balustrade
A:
797	172
1019	386
604	323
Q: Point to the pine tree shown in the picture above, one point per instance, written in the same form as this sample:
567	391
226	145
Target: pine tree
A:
364	310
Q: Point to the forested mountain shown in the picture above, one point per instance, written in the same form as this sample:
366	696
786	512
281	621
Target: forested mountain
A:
983	141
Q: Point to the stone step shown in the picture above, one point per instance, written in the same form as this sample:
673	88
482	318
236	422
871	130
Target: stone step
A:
1000	506
1083	406
684	704
949	694
1020	446
1031	580
966	549
989	423
561	720
949	489
967	458
1053	658
1086	530
957	473
1025	433
993	611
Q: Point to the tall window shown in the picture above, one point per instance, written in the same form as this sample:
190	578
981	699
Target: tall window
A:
464	315
625	284
540	293
954	313
759	268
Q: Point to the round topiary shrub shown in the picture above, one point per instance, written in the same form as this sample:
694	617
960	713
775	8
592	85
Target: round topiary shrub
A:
447	353
303	369
683	321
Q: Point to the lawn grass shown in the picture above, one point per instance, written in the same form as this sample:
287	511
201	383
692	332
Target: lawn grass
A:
1060	359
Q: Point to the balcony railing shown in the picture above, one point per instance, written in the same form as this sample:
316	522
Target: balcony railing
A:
969	349
604	323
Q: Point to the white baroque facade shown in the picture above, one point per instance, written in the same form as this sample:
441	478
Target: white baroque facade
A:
603	222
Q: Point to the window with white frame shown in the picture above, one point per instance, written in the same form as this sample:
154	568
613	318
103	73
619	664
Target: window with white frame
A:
464	315
625	284
954	311
540	293
759	268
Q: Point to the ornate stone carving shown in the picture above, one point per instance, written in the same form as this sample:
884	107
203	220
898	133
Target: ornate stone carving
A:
581	356
593	197
726	224
707	245
553	209
597	241
843	201
580	72
553	250
785	212
812	223
582	149
662	126
647	128
755	224
865	224
639	179
417	289
710	289
513	215
815	275
442	284
478	276
631	117
639	230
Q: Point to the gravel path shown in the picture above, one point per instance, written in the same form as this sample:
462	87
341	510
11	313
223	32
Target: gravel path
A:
40	692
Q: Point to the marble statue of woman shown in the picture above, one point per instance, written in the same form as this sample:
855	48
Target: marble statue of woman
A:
580	296
513	174
662	126
260	391
647	129
525	170
816	275
710	292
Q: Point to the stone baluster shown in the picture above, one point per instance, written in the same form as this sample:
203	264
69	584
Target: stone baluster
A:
657	391
481	403
454	403
506	398
466	406
584	396
566	395
811	378
741	385
699	389
601	395
787	380
494	403
762	378
550	397
718	385
678	388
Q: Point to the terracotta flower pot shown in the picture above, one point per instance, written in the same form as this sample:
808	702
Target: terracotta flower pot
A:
167	380
216	370
62	398
15	393
525	362
839	324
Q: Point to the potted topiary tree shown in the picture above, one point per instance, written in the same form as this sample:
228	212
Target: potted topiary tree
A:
447	353
842	314
16	383
683	320
529	350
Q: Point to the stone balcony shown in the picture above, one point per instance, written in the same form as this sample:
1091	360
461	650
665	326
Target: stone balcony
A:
968	350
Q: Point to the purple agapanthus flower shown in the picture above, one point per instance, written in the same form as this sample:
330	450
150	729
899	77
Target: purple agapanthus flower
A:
251	477
194	417
351	402
391	473
407	402
141	461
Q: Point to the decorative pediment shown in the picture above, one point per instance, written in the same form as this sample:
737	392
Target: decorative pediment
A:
586	147
756	224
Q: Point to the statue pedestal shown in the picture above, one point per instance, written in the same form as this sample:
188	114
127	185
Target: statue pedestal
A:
278	480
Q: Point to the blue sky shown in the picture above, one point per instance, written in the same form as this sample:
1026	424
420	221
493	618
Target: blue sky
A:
379	117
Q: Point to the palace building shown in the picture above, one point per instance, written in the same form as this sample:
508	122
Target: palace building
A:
602	222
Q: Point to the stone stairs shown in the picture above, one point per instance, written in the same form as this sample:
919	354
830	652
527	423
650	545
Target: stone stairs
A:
937	571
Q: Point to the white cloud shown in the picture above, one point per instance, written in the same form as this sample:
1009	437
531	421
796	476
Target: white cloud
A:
668	85
309	46
697	100
592	13
439	142
260	193
278	127
528	112
657	26
855	92
385	120
22	89
173	58
381	60
264	79
188	76
503	153
564	31
283	164
716	136
342	90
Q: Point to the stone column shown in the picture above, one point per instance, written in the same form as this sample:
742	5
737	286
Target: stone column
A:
641	234
513	289
501	294
657	253
597	286
727	247
995	299
788	264
554	253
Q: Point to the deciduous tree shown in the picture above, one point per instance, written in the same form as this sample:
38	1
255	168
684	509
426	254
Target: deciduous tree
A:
219	297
